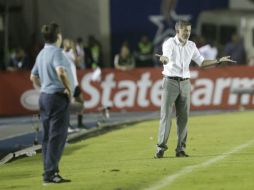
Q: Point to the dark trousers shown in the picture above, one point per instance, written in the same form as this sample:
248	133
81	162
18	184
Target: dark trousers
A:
54	112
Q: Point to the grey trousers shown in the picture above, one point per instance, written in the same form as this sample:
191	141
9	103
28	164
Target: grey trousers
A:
174	93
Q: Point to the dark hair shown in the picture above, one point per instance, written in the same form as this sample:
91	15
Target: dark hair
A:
50	32
181	23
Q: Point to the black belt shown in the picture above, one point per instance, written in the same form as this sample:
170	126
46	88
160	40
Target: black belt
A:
62	94
176	78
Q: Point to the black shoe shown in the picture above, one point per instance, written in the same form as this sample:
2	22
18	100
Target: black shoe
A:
159	154
181	154
56	179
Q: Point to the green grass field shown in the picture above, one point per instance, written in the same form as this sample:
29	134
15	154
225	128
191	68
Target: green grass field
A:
221	149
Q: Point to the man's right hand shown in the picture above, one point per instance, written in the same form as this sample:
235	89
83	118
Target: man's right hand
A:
68	93
163	59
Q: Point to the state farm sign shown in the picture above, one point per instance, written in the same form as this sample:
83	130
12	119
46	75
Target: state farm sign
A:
135	90
209	93
124	93
140	90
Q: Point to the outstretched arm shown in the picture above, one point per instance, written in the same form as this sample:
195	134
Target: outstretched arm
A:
207	63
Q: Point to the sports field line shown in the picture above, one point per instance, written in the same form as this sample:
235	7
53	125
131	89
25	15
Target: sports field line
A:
171	178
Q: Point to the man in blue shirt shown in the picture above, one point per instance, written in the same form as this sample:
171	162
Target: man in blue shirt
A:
52	74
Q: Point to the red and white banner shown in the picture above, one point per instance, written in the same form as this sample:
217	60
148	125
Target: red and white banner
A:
135	90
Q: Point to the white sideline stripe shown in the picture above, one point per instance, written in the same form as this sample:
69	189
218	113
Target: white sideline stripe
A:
171	178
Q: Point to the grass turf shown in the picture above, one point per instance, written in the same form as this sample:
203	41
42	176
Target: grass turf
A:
123	159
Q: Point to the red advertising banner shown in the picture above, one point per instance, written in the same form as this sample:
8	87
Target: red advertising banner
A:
135	90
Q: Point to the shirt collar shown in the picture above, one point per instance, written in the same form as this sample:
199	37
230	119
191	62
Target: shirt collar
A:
47	45
178	41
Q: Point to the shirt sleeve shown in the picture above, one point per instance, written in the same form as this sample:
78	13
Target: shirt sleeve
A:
197	57
167	48
35	70
59	59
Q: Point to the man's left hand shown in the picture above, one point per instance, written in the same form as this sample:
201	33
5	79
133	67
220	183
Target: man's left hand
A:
226	59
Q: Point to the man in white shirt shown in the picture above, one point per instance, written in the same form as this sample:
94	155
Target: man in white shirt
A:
178	52
77	102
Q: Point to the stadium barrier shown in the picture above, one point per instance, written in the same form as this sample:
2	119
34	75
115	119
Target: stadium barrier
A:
135	90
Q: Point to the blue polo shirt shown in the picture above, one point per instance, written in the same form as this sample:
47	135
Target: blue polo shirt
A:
47	60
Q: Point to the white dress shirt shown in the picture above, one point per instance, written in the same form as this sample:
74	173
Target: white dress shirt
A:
71	60
180	56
